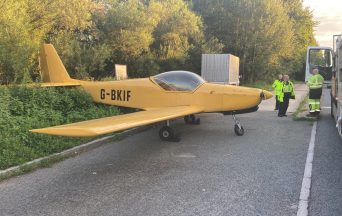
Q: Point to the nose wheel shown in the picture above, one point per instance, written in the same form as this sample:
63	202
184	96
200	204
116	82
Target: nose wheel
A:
238	129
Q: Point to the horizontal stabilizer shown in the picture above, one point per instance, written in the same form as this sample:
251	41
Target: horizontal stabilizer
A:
118	123
56	84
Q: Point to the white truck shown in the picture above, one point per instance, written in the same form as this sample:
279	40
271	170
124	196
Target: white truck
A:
220	68
329	62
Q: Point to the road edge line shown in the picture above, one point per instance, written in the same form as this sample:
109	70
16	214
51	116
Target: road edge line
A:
303	206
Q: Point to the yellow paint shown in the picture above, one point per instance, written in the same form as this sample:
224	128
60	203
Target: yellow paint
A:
118	123
160	105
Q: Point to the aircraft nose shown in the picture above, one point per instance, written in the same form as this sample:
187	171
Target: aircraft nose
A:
266	95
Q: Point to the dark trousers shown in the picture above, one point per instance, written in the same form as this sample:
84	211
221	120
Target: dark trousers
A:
284	105
277	103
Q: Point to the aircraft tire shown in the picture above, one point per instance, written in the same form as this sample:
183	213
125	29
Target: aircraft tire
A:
166	133
239	130
189	119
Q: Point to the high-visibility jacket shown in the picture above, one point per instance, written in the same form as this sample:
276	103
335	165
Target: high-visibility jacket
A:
277	86
316	81
287	87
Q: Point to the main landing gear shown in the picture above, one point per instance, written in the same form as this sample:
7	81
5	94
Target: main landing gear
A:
166	133
238	129
191	119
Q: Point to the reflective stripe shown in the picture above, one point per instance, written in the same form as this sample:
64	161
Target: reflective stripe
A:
316	86
316	81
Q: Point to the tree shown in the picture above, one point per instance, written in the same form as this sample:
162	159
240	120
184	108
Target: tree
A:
260	32
26	24
303	28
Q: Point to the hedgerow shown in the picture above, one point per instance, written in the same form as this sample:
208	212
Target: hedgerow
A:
24	108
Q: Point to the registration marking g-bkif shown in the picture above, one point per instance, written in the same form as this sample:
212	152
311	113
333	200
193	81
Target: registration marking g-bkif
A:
115	94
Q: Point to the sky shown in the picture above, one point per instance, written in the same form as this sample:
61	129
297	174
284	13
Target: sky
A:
329	15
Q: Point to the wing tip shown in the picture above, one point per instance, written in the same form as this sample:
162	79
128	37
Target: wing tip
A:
63	132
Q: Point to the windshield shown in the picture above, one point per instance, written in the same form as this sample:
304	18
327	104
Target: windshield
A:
178	80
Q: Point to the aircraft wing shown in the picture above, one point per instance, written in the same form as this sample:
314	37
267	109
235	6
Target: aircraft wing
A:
118	123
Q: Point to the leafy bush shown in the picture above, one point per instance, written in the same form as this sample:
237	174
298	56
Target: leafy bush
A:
25	108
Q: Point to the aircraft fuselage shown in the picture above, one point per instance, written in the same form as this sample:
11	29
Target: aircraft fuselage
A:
146	94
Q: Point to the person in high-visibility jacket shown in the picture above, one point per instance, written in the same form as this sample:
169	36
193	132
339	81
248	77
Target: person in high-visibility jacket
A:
285	95
277	86
315	84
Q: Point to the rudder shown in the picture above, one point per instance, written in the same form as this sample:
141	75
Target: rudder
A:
52	67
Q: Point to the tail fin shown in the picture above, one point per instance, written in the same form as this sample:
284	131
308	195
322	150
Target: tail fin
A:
52	69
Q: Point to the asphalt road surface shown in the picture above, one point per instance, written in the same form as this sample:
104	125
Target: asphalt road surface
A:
210	171
326	193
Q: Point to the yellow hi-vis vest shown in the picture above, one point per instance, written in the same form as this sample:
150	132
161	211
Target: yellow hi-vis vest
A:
277	86
316	81
286	88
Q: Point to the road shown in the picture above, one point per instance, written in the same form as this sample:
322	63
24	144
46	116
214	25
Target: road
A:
210	171
326	193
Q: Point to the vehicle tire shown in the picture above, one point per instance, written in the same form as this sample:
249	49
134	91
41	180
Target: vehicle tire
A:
166	133
239	131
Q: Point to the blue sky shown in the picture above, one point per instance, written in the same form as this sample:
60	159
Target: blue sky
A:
329	15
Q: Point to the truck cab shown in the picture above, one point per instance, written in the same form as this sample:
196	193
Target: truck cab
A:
329	63
320	58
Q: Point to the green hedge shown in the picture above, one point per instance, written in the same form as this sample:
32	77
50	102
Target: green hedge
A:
25	108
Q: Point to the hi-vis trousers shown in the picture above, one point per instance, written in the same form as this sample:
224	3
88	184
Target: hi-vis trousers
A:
315	105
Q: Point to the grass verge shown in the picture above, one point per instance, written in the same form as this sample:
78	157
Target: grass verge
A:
302	111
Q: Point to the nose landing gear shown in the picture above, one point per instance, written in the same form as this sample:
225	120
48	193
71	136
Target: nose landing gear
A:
238	129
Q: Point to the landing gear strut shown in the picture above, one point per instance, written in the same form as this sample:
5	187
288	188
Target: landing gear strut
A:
191	119
166	133
238	129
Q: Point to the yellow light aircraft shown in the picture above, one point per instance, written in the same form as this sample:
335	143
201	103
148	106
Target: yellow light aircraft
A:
163	97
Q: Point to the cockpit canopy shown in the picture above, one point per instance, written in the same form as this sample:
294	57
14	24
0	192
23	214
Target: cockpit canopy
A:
178	80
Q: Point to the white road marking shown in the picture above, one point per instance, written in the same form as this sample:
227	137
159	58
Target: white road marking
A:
185	155
326	107
306	183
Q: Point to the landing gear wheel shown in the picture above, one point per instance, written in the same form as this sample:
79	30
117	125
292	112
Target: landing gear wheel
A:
191	119
239	130
166	133
187	119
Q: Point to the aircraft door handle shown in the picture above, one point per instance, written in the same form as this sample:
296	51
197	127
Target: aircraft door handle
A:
212	92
